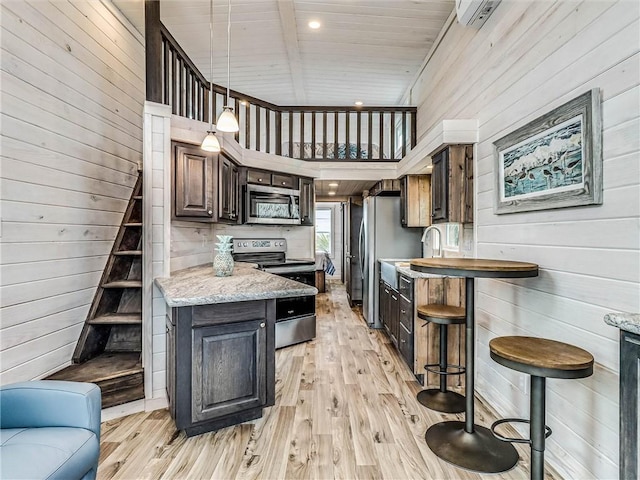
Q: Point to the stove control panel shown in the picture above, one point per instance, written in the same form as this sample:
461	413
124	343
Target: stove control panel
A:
256	245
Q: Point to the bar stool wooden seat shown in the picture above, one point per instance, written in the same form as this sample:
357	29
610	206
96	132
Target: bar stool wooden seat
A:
442	400
540	358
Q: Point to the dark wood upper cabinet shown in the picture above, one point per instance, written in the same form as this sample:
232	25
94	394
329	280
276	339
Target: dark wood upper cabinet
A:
452	185
194	183
229	197
258	177
307	201
415	200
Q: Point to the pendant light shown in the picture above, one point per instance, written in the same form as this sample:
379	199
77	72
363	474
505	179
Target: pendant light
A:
210	142
227	122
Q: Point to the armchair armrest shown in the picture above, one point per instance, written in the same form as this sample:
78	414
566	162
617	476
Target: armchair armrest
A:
51	403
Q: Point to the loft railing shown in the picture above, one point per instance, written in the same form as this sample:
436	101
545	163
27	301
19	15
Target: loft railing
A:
321	133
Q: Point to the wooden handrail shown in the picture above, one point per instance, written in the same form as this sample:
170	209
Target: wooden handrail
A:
344	132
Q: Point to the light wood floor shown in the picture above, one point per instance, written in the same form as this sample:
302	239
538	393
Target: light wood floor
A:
345	408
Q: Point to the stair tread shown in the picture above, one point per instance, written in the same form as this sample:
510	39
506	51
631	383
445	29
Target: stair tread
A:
123	284
128	253
117	319
107	366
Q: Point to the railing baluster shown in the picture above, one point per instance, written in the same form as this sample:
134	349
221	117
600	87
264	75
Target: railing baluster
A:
370	135
381	140
290	134
358	134
278	133
335	135
205	117
393	135
187	92
174	82
347	154
247	127
302	135
324	135
404	134
313	135
267	147
414	130
258	128
165	73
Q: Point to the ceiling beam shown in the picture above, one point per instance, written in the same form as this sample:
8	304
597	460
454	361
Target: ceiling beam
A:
290	33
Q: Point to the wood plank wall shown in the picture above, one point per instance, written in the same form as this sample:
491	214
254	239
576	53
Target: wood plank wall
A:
527	59
72	80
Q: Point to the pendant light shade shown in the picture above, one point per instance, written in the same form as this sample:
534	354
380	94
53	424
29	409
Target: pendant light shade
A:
227	122
210	142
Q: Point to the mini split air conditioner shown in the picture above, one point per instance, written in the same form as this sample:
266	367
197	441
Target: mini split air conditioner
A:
474	13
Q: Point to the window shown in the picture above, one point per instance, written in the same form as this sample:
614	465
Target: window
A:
323	224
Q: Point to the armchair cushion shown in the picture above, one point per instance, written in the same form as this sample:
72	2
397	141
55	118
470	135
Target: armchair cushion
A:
50	429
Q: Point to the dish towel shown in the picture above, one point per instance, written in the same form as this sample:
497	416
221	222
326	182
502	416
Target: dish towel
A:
329	268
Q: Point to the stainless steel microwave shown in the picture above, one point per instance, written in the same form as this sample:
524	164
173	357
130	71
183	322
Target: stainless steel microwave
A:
272	205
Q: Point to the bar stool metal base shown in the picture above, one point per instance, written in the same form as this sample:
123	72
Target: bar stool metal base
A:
479	451
446	402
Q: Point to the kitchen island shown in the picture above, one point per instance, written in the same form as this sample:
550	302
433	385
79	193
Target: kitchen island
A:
221	344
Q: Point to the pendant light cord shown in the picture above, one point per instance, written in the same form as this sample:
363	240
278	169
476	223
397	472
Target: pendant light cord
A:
228	53
211	65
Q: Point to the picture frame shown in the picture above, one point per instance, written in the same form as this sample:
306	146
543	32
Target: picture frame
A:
554	161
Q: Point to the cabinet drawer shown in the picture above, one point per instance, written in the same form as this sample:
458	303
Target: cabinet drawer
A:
405	287
406	314
405	345
228	312
282	181
259	177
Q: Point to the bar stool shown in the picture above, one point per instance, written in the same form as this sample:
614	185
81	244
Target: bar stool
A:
540	358
442	400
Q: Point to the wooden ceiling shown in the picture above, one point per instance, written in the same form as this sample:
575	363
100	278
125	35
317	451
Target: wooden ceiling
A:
367	50
345	188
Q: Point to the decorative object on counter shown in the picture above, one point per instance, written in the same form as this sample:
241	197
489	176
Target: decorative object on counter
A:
539	358
554	161
223	261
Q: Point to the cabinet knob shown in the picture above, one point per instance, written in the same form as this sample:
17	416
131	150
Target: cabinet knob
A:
260	180
403	341
262	325
284	183
210	212
403	311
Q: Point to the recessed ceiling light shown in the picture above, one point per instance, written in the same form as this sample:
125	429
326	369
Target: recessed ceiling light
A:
359	103
332	193
334	184
314	24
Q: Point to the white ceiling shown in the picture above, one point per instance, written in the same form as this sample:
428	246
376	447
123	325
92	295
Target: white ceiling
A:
368	50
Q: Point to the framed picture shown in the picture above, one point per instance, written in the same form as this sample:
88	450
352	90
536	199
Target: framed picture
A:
555	161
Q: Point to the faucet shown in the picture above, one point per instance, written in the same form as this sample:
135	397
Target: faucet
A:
438	235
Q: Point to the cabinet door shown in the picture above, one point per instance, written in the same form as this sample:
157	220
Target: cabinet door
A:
283	181
394	314
405	345
440	186
383	305
228	188
228	369
171	366
404	204
194	183
307	201
258	177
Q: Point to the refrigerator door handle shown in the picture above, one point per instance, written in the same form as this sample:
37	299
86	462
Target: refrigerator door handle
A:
360	248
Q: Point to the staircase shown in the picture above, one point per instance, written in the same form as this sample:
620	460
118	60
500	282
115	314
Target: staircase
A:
109	350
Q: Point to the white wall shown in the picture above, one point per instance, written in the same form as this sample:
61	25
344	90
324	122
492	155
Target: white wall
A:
529	58
72	79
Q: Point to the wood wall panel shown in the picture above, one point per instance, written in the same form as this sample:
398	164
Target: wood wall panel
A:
72	95
529	58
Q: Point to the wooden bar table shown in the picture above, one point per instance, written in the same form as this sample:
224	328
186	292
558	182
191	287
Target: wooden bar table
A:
466	444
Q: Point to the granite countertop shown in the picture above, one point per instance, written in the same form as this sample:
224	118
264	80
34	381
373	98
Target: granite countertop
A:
629	322
406	270
199	286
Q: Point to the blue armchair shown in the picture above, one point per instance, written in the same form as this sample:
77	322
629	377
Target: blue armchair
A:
49	429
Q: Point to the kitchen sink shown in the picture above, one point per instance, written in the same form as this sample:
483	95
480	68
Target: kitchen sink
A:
388	272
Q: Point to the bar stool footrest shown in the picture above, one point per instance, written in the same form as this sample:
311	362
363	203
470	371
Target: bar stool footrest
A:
458	369
497	423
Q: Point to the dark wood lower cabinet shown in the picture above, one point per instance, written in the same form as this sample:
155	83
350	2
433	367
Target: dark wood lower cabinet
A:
220	364
629	373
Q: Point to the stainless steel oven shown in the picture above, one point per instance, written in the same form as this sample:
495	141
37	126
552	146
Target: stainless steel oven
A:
272	205
295	316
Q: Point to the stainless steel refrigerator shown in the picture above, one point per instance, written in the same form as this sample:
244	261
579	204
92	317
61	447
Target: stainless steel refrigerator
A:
382	236
352	274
